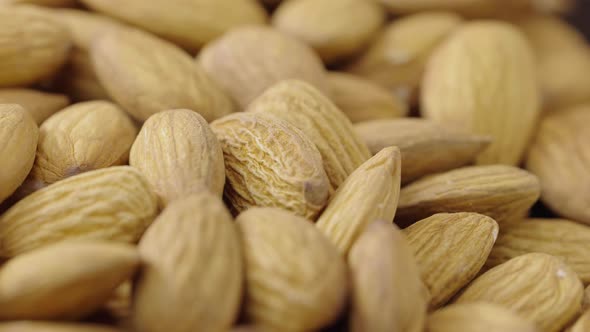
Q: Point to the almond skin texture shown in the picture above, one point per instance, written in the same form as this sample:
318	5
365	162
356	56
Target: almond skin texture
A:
286	291
561	238
270	163
18	141
504	193
66	280
387	292
450	249
145	75
559	156
370	193
32	326
325	25
189	24
539	287
306	108
426	146
179	154
483	80
192	280
41	105
69	210
248	60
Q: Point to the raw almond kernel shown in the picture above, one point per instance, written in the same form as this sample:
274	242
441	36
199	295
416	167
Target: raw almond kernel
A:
325	25
248	60
362	100
285	291
179	154
582	324
387	292
561	238
78	79
483	80
67	280
39	326
270	163
113	204
396	59
426	147
192	280
306	108
538	286
18	142
41	105
560	157
504	193
33	47
81	138
478	316
146	75
450	249
370	193
189	24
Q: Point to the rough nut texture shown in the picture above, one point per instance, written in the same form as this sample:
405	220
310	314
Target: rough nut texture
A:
318	118
192	280
246	61
40	105
147	75
115	204
179	154
269	162
483	79
296	280
38	326
387	292
370	193
450	249
538	286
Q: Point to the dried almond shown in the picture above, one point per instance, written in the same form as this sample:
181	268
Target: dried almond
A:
426	146
450	249
387	292
582	324
538	286
40	326
370	193
286	291
41	105
271	163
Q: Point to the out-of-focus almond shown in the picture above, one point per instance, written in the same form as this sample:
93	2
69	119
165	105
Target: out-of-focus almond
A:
84	27
40	326
41	105
582	324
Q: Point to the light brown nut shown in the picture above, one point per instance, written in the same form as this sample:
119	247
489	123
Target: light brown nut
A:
479	316
396	59
326	25
40	326
560	157
450	249
426	146
192	280
270	163
370	193
540	287
41	105
248	60
306	108
189	24
387	292
33	47
582	324
295	278
81	138
78	79
362	100
67	280
483	80
84	27
18	142
504	193
561	238
179	154
111	204
146	75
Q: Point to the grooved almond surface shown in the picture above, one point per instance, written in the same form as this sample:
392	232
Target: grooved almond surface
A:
114	204
306	108
40	105
370	193
271	163
450	249
538	286
40	326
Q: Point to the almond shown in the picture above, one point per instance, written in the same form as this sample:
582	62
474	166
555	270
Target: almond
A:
41	105
38	326
83	26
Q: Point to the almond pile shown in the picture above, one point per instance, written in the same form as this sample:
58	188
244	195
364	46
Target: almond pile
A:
293	166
